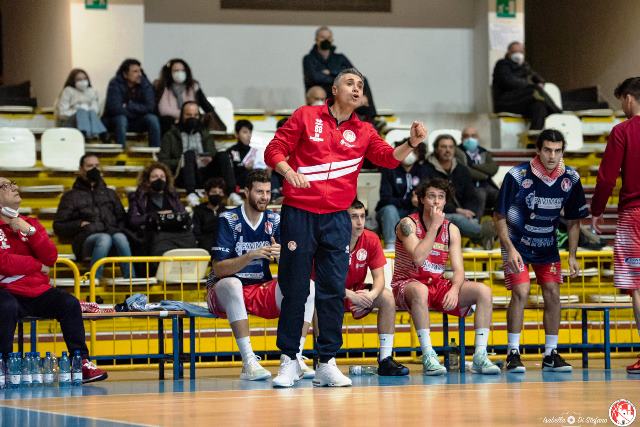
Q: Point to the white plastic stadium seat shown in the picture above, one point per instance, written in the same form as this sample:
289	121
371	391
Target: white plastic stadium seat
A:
17	148
224	109
554	93
433	135
571	128
499	176
396	135
62	148
183	271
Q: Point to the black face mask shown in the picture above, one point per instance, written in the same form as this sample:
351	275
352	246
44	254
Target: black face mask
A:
215	199
158	185
191	125
326	45
93	175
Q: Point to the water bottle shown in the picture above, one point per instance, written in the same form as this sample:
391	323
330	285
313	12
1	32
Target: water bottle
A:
3	378
47	368
363	370
76	368
36	370
14	370
64	371
454	356
26	378
54	365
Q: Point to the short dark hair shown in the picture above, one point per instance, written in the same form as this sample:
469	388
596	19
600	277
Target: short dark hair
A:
214	183
439	183
126	64
351	70
281	122
630	86
85	155
552	135
357	204
71	78
243	123
513	43
184	106
442	137
257	175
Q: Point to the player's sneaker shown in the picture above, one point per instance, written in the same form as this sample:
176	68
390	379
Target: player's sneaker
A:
431	365
328	375
307	372
388	367
555	363
482	364
289	372
635	368
91	372
253	371
514	364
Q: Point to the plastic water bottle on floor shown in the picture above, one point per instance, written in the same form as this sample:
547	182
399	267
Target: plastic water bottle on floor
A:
454	356
358	370
26	378
47	368
36	370
3	377
15	373
64	371
76	369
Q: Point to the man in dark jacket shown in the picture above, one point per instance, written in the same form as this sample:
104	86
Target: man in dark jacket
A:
396	186
518	89
190	152
321	66
460	210
92	217
482	167
131	104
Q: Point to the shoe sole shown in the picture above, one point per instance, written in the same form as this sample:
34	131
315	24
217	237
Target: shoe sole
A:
323	384
517	370
434	373
492	372
562	369
396	374
261	378
95	379
633	371
282	385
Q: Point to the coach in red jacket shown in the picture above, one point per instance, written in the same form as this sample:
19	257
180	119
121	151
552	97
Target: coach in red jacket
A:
319	151
26	254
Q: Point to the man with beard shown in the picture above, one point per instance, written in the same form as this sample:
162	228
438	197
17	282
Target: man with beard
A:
240	281
92	217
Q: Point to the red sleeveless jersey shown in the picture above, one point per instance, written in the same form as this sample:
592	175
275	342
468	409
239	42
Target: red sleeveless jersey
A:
433	267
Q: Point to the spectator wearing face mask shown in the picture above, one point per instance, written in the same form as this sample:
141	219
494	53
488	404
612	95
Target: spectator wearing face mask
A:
396	189
482	167
176	86
238	152
205	215
93	218
518	89
315	96
78	106
189	151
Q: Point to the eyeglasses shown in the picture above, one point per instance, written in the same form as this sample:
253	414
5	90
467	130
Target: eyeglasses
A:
8	185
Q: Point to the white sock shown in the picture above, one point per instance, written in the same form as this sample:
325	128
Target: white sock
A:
482	337
550	342
244	344
513	342
425	340
386	345
302	341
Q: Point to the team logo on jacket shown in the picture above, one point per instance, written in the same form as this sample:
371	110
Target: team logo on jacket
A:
3	241
348	136
527	183
268	228
361	255
566	185
292	245
317	129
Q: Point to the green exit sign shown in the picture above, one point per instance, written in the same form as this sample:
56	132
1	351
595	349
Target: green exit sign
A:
95	4
506	8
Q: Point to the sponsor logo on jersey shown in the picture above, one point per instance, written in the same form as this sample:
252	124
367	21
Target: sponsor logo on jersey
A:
268	227
543	202
533	229
441	247
361	255
317	129
233	217
527	183
634	262
432	268
566	185
238	228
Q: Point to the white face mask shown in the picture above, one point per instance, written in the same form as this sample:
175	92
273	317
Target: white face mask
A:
82	84
517	57
179	76
410	159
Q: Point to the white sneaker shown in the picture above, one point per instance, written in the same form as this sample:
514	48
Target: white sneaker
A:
193	200
307	372
289	372
328	375
482	364
252	371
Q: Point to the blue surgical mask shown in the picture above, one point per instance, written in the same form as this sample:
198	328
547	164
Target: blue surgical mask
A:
470	144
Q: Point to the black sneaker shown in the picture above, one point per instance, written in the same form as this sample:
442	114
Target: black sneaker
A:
514	364
555	363
388	367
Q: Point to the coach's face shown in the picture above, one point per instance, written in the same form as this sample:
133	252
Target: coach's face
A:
348	91
9	194
358	218
550	154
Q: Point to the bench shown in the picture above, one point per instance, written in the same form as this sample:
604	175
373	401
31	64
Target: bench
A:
176	331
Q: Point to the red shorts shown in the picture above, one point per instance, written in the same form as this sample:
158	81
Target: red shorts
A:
259	300
545	273
349	307
438	288
626	250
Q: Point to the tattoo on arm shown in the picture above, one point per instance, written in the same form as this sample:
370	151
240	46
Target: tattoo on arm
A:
406	228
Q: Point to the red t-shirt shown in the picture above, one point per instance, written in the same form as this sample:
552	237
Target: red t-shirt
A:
367	253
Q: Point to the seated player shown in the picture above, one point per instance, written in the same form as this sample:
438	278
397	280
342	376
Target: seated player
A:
241	282
365	251
426	240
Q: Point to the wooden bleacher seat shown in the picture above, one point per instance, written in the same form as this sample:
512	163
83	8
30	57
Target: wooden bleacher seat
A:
97	148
